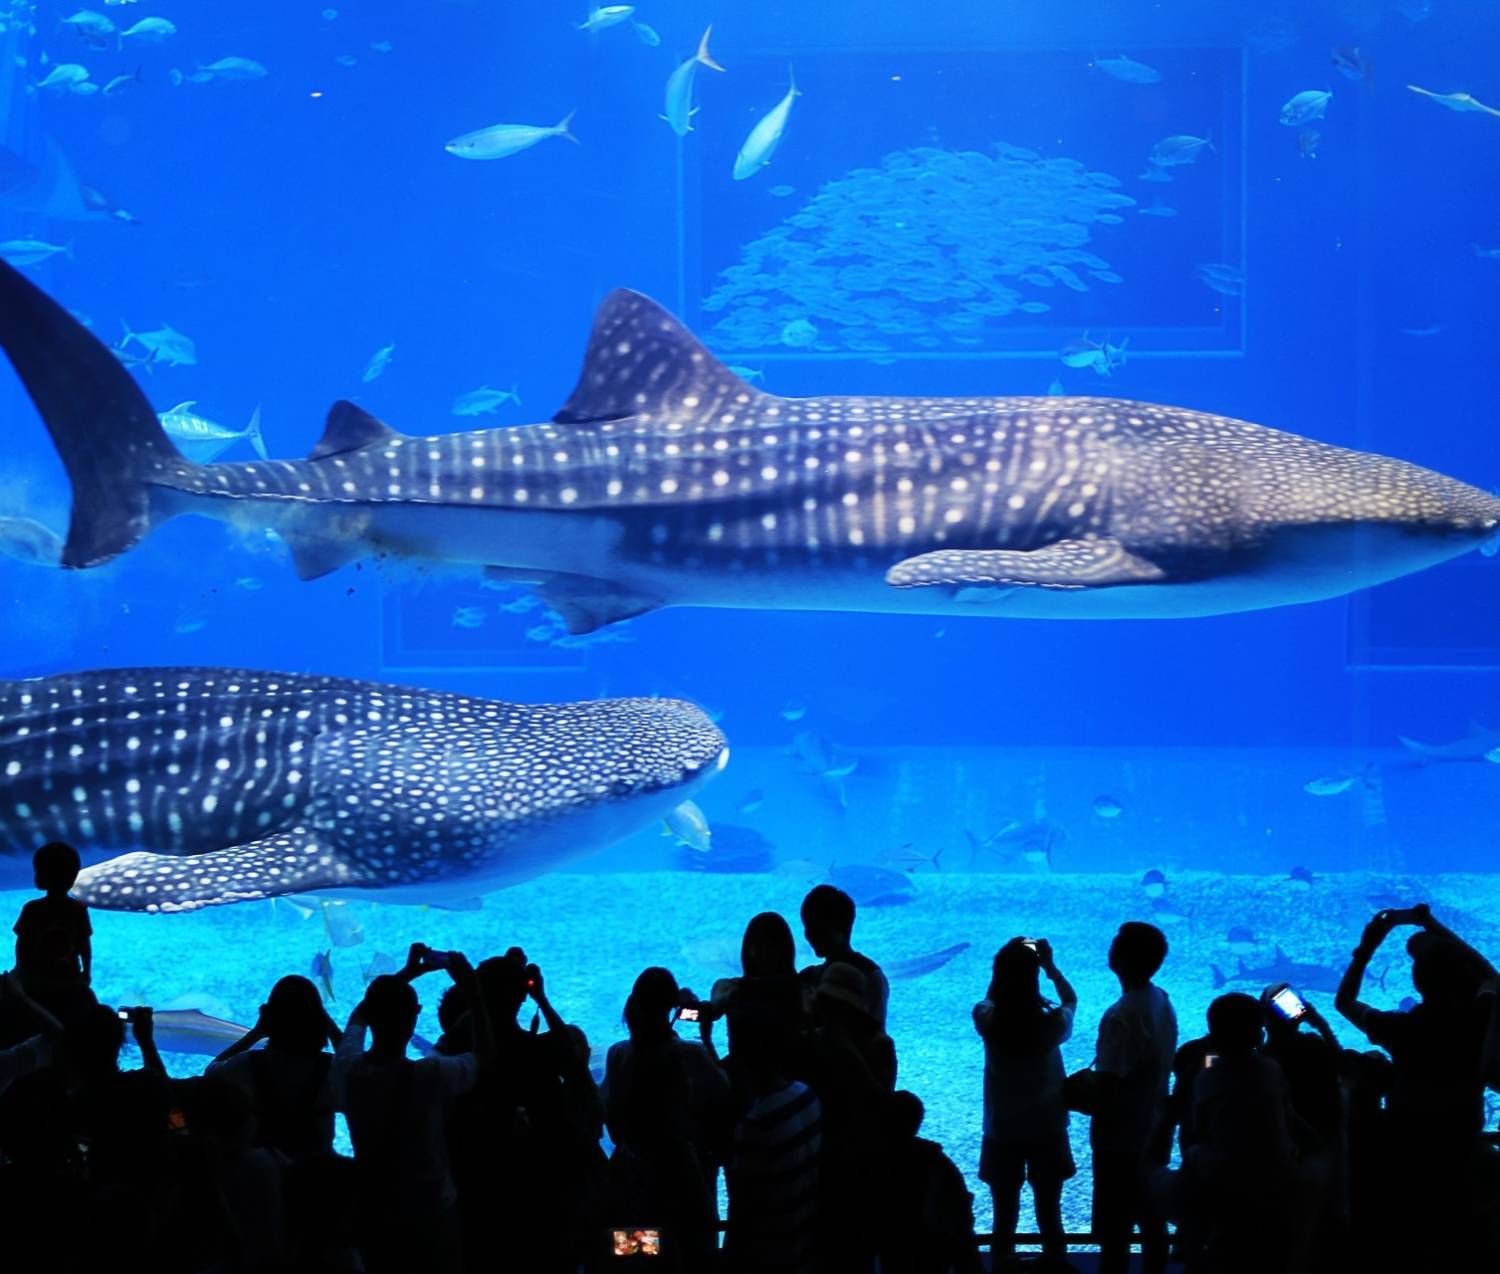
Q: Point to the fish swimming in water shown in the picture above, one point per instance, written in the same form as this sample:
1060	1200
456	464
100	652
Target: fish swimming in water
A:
666	480
918	966
484	400
765	137
149	31
378	362
33	251
1453	101
26	540
1300	976
1128	70
689	825
602	17
193	1031
164	345
1476	745
1227	280
202	440
1353	65
679	109
1305	107
1172	152
230	786
499	141
62	78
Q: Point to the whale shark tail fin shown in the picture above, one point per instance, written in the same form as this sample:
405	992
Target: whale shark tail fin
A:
104	429
642	360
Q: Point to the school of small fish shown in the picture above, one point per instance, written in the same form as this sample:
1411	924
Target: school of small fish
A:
927	249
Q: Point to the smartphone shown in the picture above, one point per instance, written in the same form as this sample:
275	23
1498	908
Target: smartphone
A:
438	959
688	1014
1288	1005
1030	943
1210	1060
635	1242
123	1014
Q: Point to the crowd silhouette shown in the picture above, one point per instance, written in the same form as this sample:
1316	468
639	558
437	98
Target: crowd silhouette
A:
488	1152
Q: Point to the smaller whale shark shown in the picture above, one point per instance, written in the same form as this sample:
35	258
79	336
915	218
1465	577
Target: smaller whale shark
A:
227	785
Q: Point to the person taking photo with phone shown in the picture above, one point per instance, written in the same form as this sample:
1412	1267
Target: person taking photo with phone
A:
1025	1122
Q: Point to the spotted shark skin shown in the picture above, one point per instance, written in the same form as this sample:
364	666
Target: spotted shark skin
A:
228	785
668	480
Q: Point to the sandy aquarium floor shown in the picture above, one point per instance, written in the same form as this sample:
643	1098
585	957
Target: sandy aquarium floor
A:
592	933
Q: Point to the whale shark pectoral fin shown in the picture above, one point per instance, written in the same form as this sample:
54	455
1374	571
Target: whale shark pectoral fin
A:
1068	564
288	862
314	556
641	359
586	603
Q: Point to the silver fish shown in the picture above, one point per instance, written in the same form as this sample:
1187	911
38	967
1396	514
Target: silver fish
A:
499	141
679	109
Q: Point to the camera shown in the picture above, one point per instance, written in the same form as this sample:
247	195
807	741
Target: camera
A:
688	1014
1287	1004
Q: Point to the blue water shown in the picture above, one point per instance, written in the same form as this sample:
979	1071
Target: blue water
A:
294	224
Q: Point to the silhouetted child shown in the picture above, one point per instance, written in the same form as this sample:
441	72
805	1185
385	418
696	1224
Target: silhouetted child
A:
54	955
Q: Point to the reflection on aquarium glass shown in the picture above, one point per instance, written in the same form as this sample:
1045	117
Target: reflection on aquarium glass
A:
576	478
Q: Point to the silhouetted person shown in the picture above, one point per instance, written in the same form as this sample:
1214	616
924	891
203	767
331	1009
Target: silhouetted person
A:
525	1142
1133	1058
54	951
926	1213
1025	1122
42	1033
659	1091
773	1171
769	987
287	1081
1241	1168
851	1066
1435	1108
234	1189
828	926
396	1108
1310	1059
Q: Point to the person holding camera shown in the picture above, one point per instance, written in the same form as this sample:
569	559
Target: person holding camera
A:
660	1094
1025	1122
396	1108
1434	1111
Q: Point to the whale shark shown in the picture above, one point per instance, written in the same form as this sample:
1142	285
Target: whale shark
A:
226	785
665	479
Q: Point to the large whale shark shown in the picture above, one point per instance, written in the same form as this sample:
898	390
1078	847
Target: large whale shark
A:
227	785
667	480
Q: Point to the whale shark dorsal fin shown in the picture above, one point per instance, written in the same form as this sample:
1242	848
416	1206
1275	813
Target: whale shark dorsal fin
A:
642	360
350	428
165	882
1101	563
